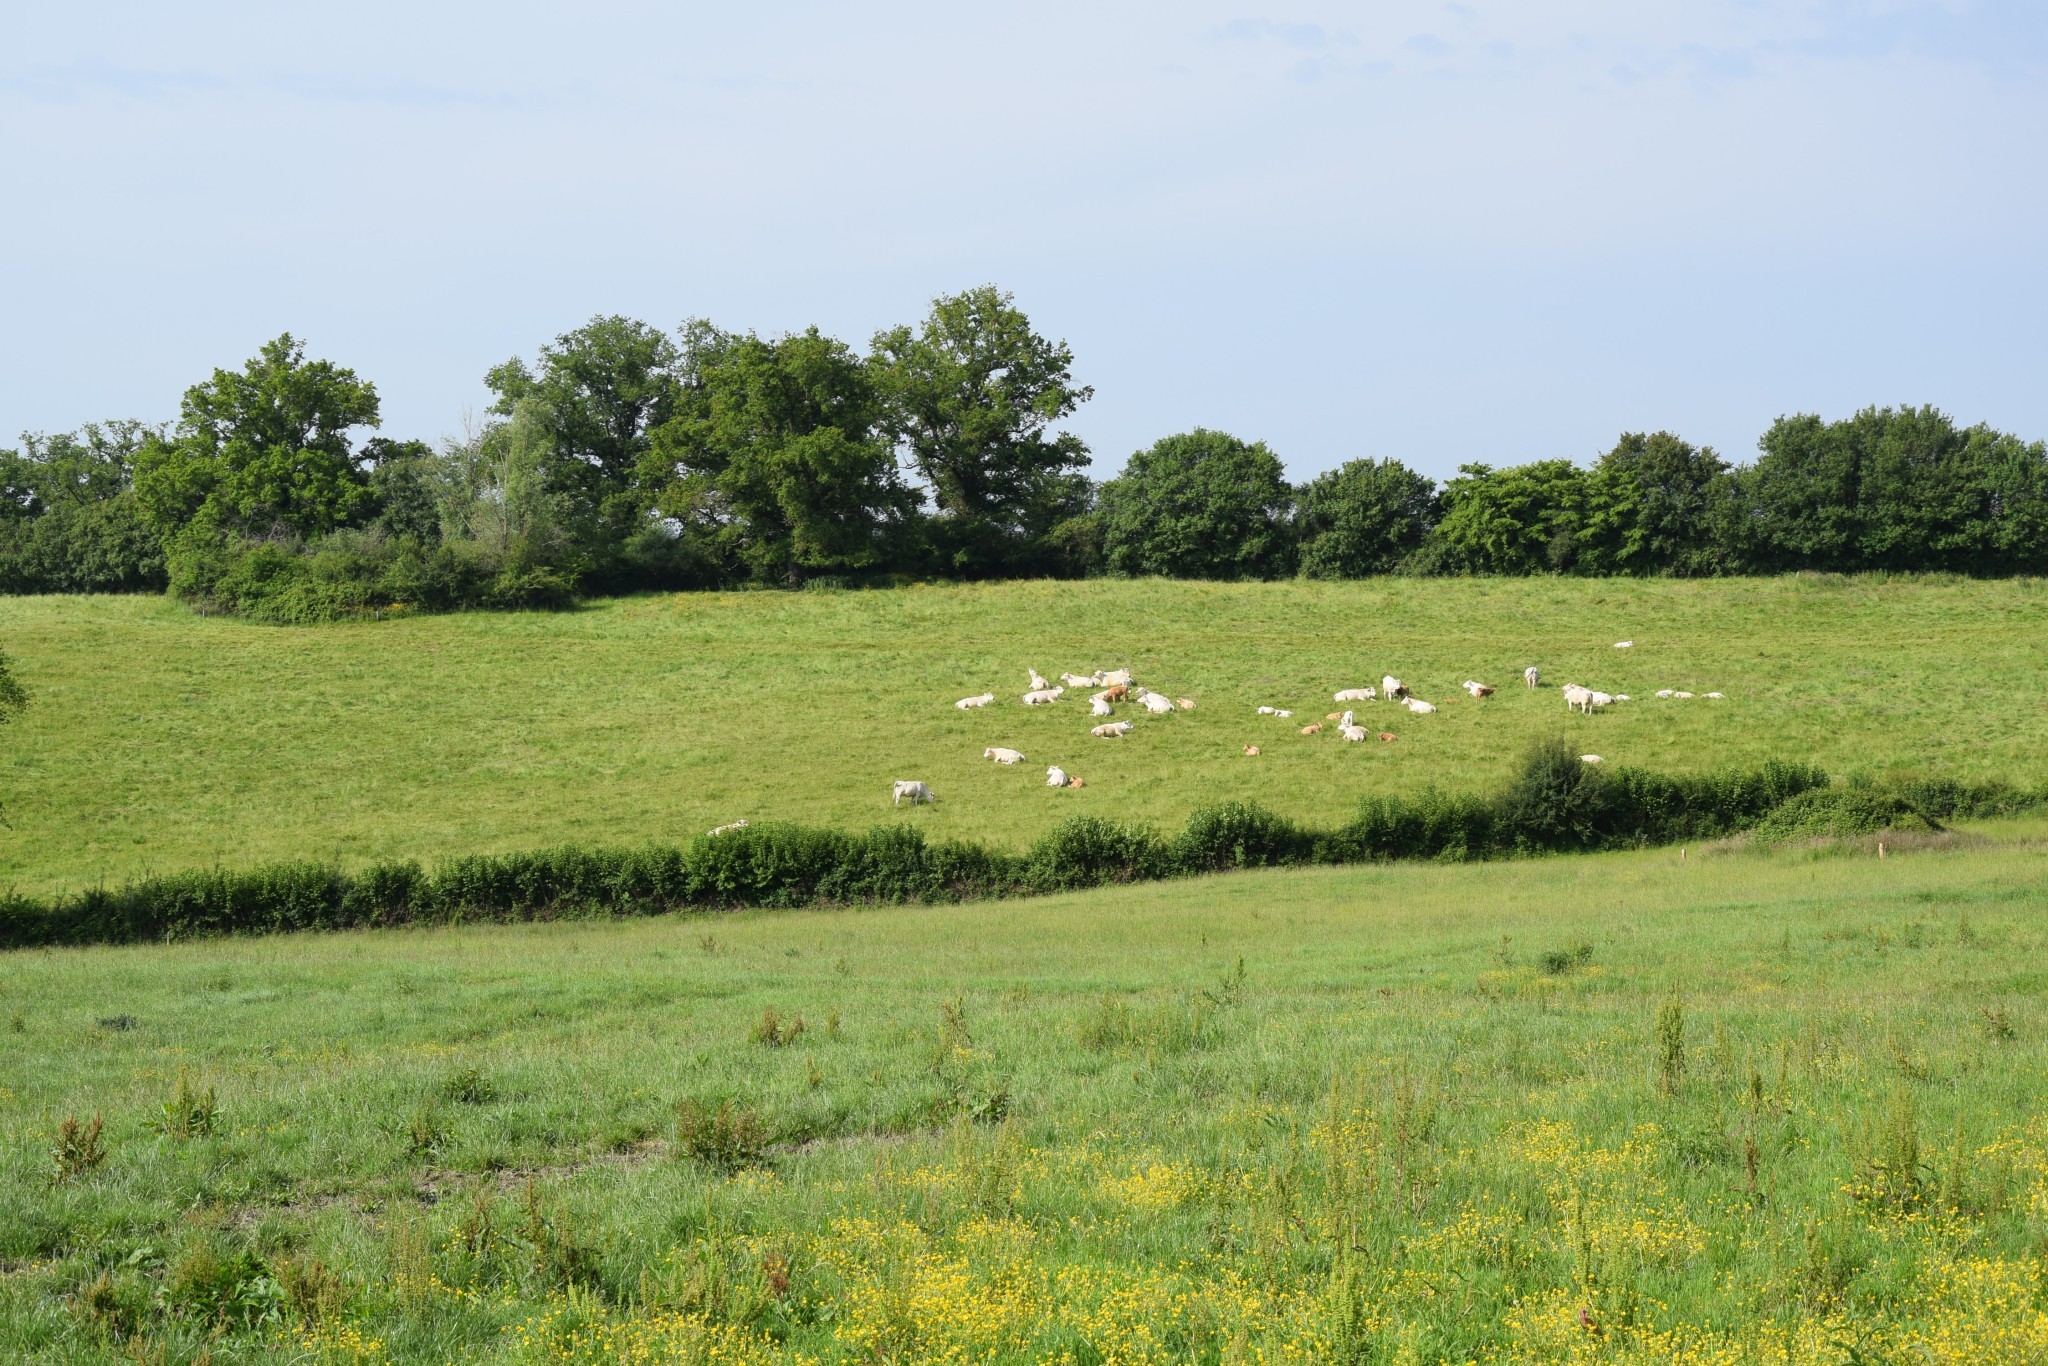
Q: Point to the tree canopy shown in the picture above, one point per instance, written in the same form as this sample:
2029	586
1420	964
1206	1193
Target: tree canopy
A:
1363	518
264	452
1201	505
971	397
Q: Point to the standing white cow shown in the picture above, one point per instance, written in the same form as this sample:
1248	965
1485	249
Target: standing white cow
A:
916	791
1532	675
1392	688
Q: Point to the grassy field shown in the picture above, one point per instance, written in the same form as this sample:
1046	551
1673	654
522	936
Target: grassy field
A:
161	741
1726	1106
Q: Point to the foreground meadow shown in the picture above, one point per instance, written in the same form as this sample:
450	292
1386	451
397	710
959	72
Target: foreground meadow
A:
1708	1106
160	741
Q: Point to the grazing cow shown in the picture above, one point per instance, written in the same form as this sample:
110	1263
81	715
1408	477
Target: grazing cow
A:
1354	695
1055	776
1002	756
1316	729
1043	697
1038	683
1155	703
1577	698
1591	759
1386	737
917	792
1098	707
1184	703
969	703
1251	749
1112	730
1418	706
1354	734
1477	689
1532	675
1392	688
727	829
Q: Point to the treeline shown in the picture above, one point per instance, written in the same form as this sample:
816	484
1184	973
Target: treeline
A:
623	458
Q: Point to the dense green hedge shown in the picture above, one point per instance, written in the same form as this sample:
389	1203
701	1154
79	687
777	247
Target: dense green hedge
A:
1556	804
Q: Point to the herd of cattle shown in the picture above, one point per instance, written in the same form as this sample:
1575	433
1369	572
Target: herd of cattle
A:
1115	686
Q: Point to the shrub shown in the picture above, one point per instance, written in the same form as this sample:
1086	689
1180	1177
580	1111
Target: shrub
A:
1086	851
728	1137
1238	835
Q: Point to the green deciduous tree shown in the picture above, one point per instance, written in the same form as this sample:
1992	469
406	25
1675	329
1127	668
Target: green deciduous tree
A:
971	398
263	453
777	455
1901	489
1363	518
604	388
1525	519
69	522
1201	505
1655	504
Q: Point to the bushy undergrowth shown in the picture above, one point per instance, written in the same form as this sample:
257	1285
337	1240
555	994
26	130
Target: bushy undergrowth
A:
1556	805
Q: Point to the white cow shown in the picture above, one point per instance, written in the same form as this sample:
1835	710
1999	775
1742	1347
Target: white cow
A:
916	791
969	703
1577	698
1002	756
1354	695
1624	644
1665	692
1591	759
1112	730
1532	675
1601	699
1352	733
1155	703
1038	683
727	829
1682	696
1042	697
1055	776
1078	680
1098	707
1346	719
1113	677
1717	696
1392	688
1418	706
1269	711
1476	688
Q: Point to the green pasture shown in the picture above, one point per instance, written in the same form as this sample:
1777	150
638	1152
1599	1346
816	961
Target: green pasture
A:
160	740
1710	1105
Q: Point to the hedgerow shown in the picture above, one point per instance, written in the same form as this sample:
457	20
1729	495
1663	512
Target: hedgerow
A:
1556	804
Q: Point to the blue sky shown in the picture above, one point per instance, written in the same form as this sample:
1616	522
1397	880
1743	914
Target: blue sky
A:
1440	232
